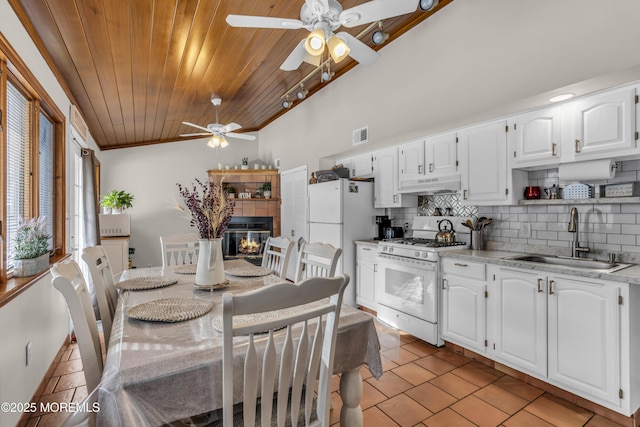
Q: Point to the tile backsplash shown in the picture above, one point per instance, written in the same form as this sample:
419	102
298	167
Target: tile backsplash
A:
603	227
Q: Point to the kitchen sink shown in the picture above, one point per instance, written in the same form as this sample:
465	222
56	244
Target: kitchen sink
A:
604	266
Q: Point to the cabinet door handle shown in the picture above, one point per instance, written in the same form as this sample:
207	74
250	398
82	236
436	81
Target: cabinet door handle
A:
553	149
354	172
458	264
293	232
430	167
577	145
419	168
551	287
539	285
375	268
395	199
443	283
464	194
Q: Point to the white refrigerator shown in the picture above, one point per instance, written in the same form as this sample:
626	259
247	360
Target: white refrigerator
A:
341	212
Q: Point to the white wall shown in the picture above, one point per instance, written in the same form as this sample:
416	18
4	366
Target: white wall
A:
472	61
150	174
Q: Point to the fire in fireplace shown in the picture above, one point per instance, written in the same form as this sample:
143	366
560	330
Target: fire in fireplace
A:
246	237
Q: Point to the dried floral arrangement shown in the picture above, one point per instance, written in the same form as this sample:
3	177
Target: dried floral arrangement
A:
32	239
208	206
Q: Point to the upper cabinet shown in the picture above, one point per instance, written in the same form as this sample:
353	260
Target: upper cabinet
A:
385	172
535	138
427	163
359	166
441	153
412	160
605	124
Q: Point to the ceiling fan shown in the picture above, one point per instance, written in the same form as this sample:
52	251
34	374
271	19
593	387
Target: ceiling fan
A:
217	131
322	18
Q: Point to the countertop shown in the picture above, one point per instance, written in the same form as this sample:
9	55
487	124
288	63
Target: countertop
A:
367	242
629	275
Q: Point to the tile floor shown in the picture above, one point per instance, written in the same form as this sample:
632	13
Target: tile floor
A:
422	386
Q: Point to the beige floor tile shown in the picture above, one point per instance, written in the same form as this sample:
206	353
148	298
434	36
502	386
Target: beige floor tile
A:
525	419
454	385
387	364
447	418
75	354
477	374
80	394
404	410
364	372
451	357
390	384
479	412
336	407
51	385
519	388
413	373
420	348
370	395
53	419
501	398
374	417
558	412
599	421
399	355
435	364
71	381
431	397
68	367
406	338
59	397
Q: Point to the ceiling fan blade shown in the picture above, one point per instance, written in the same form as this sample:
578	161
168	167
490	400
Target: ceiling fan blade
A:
230	127
248	21
196	134
240	136
318	7
196	126
359	51
295	58
376	10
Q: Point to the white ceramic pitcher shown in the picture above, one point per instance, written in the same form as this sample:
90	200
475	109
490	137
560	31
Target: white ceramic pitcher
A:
210	268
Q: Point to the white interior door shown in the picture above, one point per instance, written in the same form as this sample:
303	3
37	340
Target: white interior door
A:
75	222
293	209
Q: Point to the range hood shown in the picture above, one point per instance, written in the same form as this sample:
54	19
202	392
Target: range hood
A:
430	185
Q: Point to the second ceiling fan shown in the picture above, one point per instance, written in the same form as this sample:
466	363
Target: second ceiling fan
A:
322	18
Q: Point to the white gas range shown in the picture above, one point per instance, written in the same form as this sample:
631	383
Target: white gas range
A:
407	288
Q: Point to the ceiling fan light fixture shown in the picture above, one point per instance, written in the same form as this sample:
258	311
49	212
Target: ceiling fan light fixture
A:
338	49
215	141
314	44
224	142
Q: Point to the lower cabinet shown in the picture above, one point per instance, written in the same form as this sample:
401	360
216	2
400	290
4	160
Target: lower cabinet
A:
567	330
117	250
366	270
464	304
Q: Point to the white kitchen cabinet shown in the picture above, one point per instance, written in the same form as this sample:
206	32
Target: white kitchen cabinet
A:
605	125
517	318
385	172
441	154
464	304
359	166
584	336
412	160
117	251
483	166
367	267
535	138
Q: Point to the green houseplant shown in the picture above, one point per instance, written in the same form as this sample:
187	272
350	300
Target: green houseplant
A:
31	248
117	201
266	190
245	163
231	192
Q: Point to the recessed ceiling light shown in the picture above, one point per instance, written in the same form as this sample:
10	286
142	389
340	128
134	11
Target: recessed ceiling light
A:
561	97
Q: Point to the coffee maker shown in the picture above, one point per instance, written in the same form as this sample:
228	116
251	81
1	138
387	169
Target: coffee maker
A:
383	222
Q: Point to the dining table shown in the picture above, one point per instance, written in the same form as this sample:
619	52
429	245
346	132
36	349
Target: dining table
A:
157	372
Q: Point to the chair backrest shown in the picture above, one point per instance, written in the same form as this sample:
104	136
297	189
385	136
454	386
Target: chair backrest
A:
104	284
277	254
317	260
68	279
179	249
299	362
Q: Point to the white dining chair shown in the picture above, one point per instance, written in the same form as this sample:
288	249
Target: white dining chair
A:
303	360
317	260
68	279
277	254
179	249
104	284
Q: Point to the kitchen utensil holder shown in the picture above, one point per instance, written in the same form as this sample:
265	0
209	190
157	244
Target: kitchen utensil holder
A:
477	240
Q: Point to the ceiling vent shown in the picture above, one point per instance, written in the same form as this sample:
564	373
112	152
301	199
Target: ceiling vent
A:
360	136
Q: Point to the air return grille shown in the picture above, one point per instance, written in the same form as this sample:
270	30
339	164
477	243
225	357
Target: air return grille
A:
360	136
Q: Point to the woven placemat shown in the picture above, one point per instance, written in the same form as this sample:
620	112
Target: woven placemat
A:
144	283
170	309
249	271
211	288
185	269
248	319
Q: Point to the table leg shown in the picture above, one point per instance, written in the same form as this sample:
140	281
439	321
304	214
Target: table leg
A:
351	393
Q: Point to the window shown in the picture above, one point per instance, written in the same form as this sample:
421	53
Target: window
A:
32	135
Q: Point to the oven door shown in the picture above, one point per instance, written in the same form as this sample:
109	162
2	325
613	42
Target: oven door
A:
408	285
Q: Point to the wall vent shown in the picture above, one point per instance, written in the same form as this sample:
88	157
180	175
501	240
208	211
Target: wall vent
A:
360	136
78	123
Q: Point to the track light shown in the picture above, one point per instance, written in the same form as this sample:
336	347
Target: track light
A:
286	104
338	49
315	42
427	5
302	93
327	75
379	36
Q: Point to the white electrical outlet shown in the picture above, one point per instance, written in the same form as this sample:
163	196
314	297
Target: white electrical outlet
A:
28	353
525	229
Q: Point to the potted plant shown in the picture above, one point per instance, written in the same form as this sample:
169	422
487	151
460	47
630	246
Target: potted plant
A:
116	201
266	190
245	163
31	248
231	192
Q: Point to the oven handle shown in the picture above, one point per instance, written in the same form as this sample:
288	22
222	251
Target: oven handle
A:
399	262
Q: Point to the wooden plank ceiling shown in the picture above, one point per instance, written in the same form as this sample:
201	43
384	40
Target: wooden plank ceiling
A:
136	69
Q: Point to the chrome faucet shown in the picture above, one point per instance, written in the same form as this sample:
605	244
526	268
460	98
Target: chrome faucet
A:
573	228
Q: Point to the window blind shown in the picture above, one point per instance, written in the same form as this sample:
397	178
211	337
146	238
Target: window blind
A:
18	128
45	175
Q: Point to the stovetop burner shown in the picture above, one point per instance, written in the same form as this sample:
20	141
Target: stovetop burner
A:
428	243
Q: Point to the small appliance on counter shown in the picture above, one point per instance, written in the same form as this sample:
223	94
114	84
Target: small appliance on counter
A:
393	232
383	223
